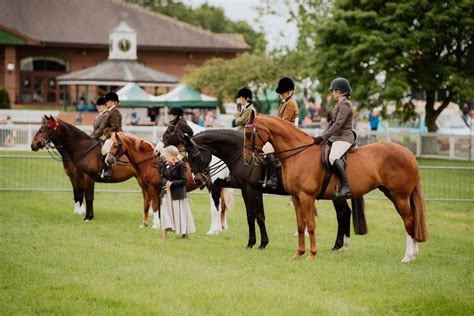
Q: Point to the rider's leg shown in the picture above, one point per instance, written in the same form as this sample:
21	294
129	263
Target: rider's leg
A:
107	171
270	167
338	149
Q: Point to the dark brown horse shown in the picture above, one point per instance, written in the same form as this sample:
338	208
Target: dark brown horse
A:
387	166
81	159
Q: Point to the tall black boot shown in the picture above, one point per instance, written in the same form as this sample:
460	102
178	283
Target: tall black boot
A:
271	172
107	172
338	168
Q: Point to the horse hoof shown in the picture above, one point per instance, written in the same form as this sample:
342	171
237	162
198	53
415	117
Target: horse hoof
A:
143	225
250	246
407	259
310	257
86	220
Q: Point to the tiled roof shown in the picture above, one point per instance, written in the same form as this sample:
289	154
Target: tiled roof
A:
89	23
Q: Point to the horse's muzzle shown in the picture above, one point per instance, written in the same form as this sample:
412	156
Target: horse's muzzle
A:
35	146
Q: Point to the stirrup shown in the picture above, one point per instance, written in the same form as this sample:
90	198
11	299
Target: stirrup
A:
339	196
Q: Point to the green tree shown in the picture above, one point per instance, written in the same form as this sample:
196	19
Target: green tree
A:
389	49
208	17
4	99
223	78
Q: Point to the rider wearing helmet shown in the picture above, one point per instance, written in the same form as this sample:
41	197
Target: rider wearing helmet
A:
339	131
177	127
112	123
288	110
244	107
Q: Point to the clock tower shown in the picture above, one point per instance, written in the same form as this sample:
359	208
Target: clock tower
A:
123	42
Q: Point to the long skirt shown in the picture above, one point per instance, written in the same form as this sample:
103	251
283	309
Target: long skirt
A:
176	215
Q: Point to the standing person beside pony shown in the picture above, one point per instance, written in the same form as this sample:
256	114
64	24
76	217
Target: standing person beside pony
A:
339	132
175	214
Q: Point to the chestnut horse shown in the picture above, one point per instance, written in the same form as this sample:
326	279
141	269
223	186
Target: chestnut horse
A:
384	165
81	159
227	146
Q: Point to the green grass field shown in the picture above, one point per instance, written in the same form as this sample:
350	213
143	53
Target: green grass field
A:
53	263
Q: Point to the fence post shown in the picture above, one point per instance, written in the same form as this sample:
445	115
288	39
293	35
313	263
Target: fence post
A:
452	147
30	134
418	145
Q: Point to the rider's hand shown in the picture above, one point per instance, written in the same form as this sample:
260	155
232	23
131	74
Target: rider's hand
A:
318	140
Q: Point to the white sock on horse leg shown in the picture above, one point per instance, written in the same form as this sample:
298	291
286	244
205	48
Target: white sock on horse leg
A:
215	219
156	221
410	251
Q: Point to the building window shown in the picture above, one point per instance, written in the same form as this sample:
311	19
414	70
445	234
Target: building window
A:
38	79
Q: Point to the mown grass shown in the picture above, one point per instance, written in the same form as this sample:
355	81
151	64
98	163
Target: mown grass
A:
53	263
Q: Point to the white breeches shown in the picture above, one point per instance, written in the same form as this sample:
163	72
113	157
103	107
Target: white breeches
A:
268	149
338	149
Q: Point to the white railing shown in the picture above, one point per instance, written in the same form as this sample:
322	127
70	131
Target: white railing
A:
425	145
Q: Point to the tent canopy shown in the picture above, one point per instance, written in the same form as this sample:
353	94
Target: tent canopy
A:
186	97
132	95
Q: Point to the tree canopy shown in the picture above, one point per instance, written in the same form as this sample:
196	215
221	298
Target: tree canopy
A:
208	17
223	78
388	50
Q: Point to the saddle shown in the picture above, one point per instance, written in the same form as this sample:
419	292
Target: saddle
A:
325	150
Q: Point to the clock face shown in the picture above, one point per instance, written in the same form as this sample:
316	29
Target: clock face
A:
124	45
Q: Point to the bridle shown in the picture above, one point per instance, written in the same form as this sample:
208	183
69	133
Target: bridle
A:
256	153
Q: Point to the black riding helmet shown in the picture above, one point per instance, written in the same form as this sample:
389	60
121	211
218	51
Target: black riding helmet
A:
341	84
100	101
284	85
176	110
111	96
244	92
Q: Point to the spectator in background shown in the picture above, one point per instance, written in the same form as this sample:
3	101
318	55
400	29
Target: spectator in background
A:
81	106
135	119
210	119
312	109
355	117
201	120
374	120
78	119
465	113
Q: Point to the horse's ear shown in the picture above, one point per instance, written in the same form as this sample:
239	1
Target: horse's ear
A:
45	118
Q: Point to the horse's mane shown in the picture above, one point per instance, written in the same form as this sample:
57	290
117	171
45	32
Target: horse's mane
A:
73	128
286	123
138	142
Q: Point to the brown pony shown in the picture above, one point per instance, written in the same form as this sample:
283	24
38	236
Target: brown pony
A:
384	165
141	153
81	159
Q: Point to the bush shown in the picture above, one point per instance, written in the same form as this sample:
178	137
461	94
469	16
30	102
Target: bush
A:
4	99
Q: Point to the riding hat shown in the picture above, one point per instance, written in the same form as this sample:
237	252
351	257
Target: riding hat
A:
244	92
170	152
100	101
176	110
111	96
341	84
284	85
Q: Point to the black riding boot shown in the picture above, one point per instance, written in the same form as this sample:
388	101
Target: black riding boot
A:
107	172
271	172
338	168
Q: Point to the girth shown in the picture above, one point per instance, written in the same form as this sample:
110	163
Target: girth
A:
325	150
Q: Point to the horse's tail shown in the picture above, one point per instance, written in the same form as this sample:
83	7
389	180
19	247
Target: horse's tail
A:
417	203
227	195
358	216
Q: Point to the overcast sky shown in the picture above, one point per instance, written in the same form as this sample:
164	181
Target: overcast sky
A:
272	26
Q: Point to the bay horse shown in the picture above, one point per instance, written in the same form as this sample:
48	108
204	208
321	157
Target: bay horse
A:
227	146
387	166
139	151
82	161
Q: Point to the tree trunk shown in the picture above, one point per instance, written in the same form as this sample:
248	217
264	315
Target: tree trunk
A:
431	113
